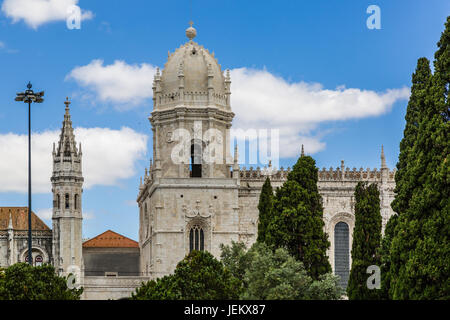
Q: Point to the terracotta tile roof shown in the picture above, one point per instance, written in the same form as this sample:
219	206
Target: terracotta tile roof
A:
19	217
110	239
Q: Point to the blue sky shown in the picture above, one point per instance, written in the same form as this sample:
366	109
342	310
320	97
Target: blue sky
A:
287	44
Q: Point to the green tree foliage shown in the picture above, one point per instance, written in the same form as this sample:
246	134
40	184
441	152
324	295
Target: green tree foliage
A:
160	289
265	208
236	259
366	241
276	275
384	254
24	282
297	219
420	251
199	276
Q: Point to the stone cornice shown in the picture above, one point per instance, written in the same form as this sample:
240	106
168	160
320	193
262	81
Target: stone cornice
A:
190	113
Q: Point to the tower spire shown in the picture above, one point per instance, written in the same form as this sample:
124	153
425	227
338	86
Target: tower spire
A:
303	151
383	158
67	144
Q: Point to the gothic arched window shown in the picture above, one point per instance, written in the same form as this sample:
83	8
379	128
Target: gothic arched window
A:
341	253
67	201
76	202
196	239
196	160
58	201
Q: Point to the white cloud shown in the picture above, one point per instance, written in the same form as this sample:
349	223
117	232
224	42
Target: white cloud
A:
120	83
45	214
262	100
108	156
38	12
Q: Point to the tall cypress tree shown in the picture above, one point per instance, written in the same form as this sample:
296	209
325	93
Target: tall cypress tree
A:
385	257
420	254
405	180
366	241
264	208
297	219
421	81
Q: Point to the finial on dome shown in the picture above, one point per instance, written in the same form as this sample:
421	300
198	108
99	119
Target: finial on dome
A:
191	32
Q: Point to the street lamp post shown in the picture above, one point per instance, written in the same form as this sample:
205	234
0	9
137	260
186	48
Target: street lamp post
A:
28	97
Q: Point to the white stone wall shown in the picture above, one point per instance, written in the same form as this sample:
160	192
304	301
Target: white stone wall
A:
105	288
177	204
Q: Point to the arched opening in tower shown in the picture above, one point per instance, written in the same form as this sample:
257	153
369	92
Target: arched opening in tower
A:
196	160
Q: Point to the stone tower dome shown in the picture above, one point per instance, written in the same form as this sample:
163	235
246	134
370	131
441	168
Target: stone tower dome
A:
188	199
191	76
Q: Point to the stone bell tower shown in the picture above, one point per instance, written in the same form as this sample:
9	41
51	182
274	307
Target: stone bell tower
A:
189	197
67	181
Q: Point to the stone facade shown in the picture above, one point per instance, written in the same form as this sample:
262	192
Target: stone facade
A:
14	237
336	187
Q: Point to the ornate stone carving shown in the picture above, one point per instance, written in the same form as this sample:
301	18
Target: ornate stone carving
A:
196	212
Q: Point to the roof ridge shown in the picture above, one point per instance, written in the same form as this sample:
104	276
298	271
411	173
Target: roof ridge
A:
118	240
